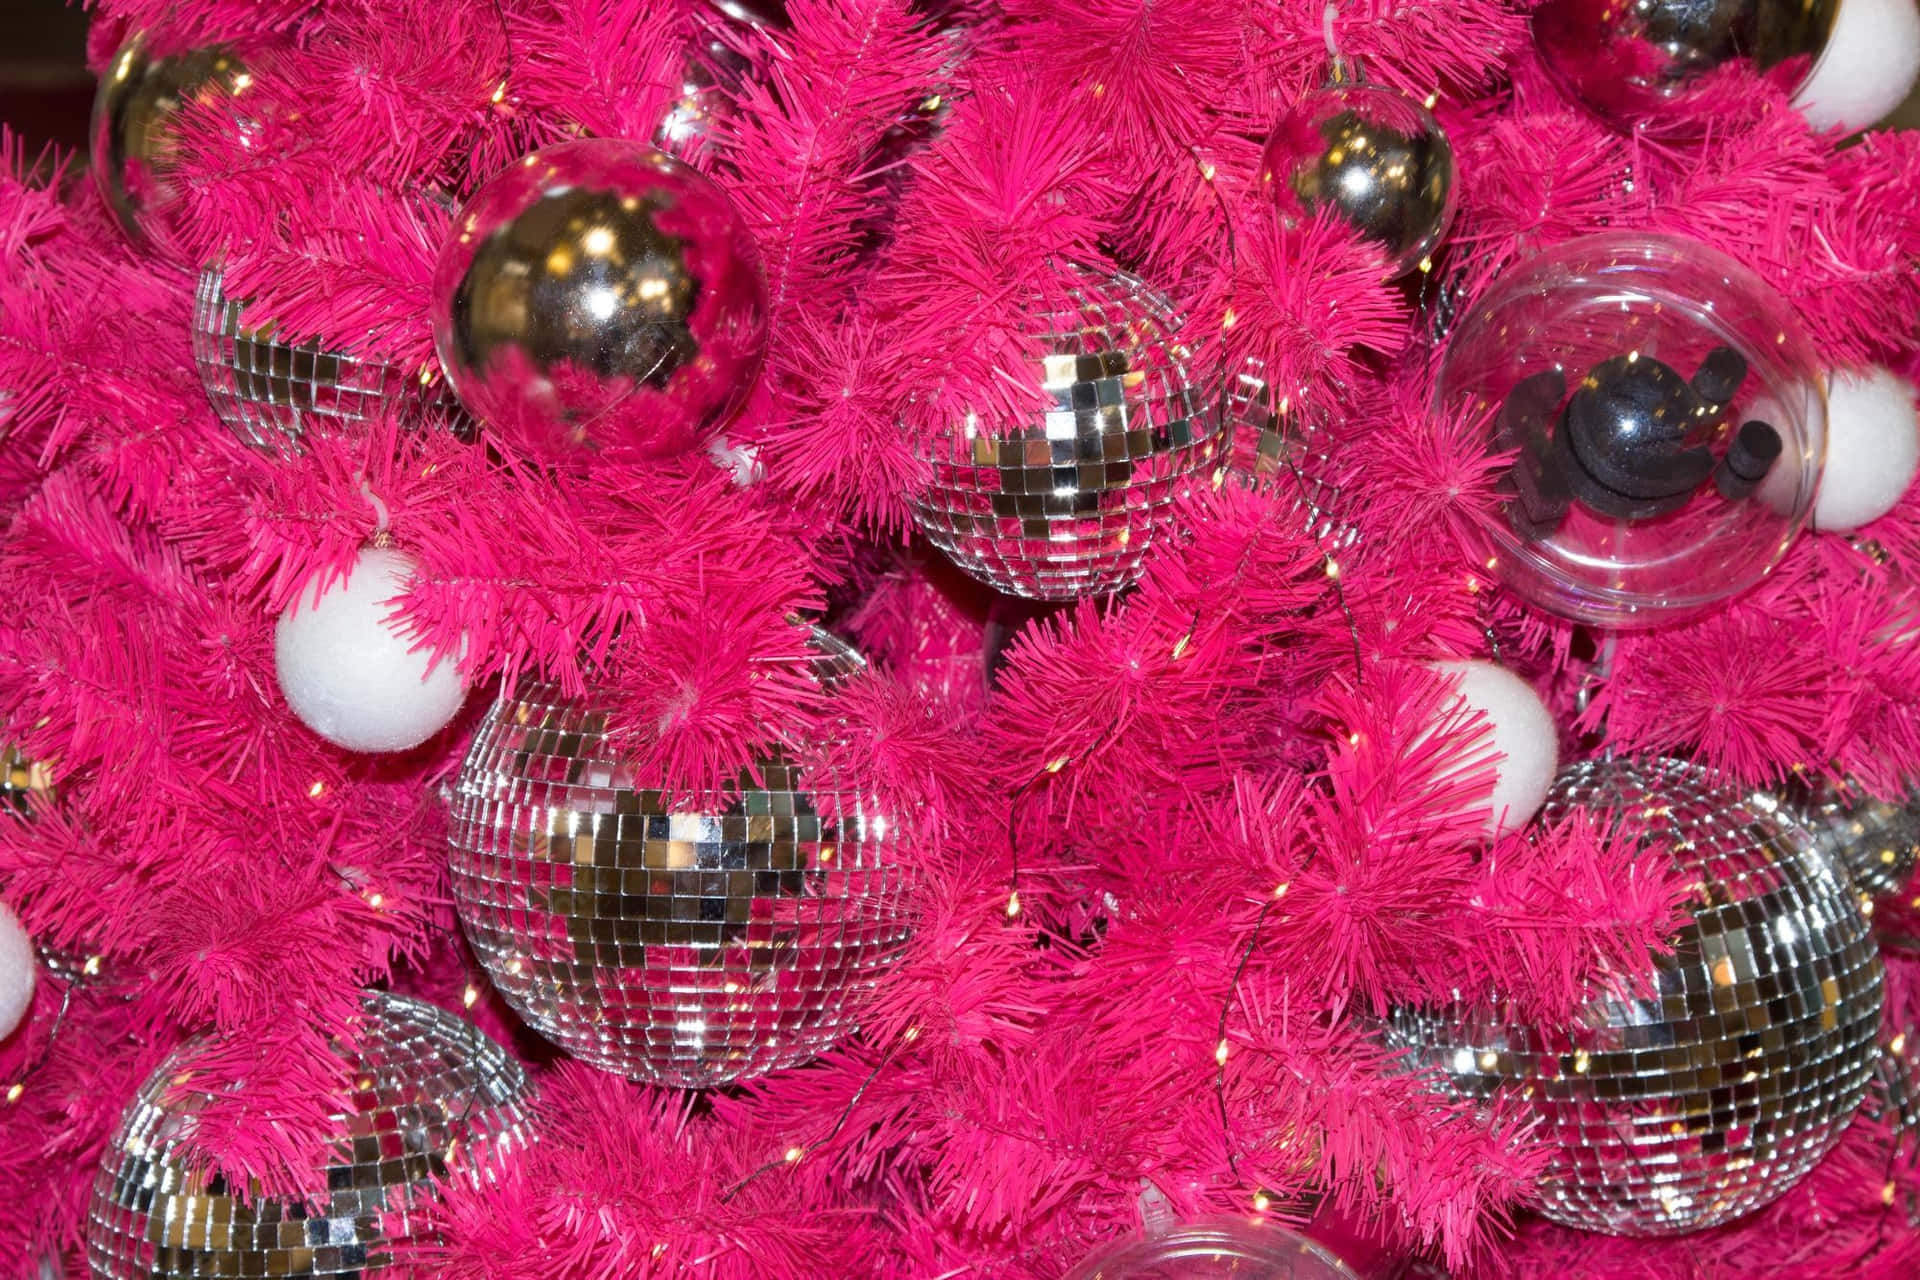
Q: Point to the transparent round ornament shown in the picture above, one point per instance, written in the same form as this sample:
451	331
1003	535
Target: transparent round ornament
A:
1703	1088
675	945
431	1097
270	392
1877	841
600	296
1373	156
1241	1248
1067	505
1660	419
1653	59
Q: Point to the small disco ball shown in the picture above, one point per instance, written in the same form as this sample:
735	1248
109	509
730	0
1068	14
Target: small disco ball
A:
431	1095
1687	1107
600	296
1068	505
1373	156
1658	420
1209	1247
1877	841
1281	446
676	946
1643	61
270	392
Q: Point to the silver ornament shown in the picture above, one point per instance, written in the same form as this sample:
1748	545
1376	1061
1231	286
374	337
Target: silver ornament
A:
1877	841
1067	506
1372	155
600	296
1690	1106
676	946
271	392
430	1097
1239	1248
1638	61
1282	446
132	142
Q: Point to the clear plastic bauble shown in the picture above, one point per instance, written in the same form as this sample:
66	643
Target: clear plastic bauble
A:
1372	155
431	1097
271	392
600	296
1701	1090
1067	505
1660	418
1240	1248
675	945
1646	61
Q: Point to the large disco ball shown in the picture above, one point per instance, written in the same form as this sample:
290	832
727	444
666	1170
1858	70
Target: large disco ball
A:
1068	505
270	392
1223	1247
430	1096
600	296
679	946
1877	841
1690	1106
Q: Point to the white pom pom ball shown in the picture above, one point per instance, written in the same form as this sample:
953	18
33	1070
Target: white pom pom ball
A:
1873	447
1522	732
18	966
1868	67
351	674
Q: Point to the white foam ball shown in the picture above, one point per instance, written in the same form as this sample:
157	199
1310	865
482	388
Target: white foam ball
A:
18	967
1522	732
349	672
1868	67
1873	447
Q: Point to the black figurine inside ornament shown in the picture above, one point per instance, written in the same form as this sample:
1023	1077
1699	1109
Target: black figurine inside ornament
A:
1635	441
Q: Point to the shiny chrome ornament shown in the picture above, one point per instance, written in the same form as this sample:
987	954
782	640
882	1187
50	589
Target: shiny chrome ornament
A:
1877	841
271	392
1635	61
431	1097
1711	1091
1067	505
132	142
1372	155
600	296
678	946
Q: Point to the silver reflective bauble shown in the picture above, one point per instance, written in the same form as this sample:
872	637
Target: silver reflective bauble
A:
679	946
1067	505
1711	1091
1372	155
1634	61
1278	445
1877	841
600	296
1216	1247
271	392
132	141
431	1097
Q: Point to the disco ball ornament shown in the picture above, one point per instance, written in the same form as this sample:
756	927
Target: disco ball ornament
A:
1659	422
678	946
1687	1107
270	392
1067	505
1648	60
132	139
600	296
1225	1247
1281	446
1372	155
1877	841
431	1097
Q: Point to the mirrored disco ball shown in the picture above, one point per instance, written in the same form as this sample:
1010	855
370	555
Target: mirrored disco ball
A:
1280	445
1068	505
1877	841
1224	1247
431	1096
677	946
1690	1106
270	392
